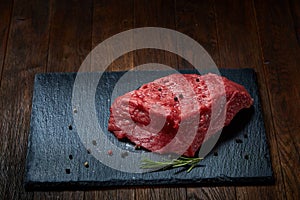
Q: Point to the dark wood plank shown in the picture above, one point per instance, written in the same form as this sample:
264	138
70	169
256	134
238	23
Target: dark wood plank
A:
295	10
109	194
5	19
124	194
197	19
59	195
238	42
153	193
157	13
110	18
70	37
239	47
26	55
255	192
211	193
280	48
70	42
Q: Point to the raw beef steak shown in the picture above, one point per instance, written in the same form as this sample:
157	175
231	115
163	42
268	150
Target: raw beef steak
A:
174	114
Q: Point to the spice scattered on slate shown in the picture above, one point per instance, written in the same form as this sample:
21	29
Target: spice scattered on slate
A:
110	152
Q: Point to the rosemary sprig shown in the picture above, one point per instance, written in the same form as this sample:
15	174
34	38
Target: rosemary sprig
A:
146	163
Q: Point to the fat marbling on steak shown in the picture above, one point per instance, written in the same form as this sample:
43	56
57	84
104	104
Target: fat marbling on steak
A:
152	115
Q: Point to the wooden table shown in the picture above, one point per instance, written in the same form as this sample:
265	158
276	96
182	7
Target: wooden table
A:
55	36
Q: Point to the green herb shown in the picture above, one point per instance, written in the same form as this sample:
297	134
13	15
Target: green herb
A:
179	162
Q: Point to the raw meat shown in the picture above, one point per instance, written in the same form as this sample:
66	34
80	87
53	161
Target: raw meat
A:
174	114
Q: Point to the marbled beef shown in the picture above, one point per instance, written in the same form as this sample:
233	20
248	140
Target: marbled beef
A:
152	115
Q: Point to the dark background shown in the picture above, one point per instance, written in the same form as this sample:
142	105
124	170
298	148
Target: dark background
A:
55	36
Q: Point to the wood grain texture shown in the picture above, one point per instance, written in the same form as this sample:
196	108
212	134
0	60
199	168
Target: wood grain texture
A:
26	55
197	20
153	193
111	194
277	190
237	35
211	193
5	20
158	13
70	36
295	11
110	18
280	48
245	52
58	195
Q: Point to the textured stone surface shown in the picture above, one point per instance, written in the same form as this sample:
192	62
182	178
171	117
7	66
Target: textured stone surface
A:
56	157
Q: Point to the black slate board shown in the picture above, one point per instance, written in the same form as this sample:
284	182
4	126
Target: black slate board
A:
240	157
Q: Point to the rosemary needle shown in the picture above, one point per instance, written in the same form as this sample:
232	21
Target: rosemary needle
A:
179	162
